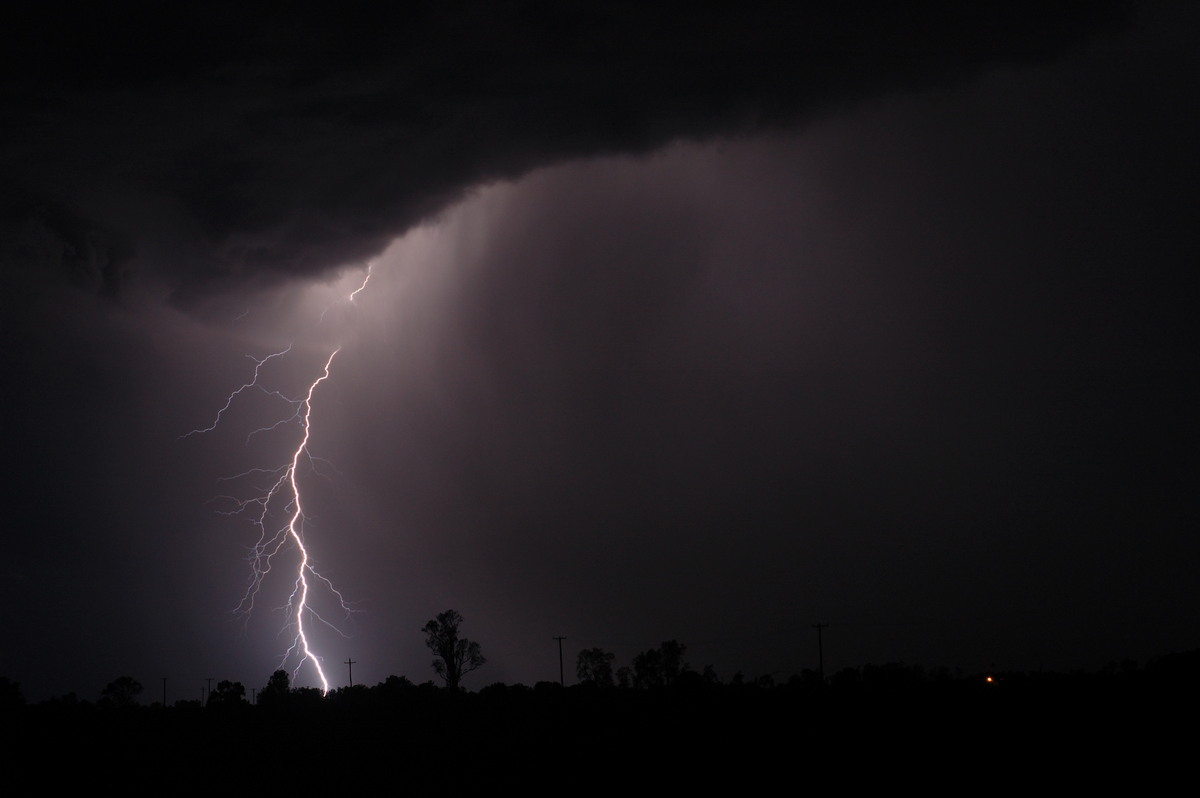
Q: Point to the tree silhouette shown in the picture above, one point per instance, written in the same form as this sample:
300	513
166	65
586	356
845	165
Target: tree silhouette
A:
594	666
227	694
277	690
454	657
121	692
11	696
659	667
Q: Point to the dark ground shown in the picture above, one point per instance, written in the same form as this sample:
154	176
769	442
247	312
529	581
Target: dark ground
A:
891	725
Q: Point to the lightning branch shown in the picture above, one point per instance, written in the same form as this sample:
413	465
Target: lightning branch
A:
282	497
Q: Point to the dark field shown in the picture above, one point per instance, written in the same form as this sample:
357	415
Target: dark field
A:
891	727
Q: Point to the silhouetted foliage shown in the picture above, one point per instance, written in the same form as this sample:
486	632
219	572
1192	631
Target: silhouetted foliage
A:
227	694
279	686
121	692
893	674
594	666
356	695
807	677
1179	666
301	697
659	667
454	656
846	677
10	694
456	742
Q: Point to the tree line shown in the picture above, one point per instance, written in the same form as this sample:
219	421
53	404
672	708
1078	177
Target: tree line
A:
661	667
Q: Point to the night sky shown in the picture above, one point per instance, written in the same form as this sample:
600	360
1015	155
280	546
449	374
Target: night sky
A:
683	323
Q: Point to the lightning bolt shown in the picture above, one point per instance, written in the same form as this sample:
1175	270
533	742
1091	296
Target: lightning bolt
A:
258	364
283	498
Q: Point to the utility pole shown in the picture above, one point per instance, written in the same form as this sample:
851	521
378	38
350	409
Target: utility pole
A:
350	664
820	649
561	683
210	681
164	692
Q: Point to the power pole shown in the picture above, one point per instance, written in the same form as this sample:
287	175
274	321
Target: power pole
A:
820	649
164	692
350	664
209	680
560	661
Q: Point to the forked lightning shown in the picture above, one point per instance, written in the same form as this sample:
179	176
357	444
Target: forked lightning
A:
285	498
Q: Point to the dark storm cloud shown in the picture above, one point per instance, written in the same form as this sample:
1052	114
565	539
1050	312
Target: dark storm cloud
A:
232	148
